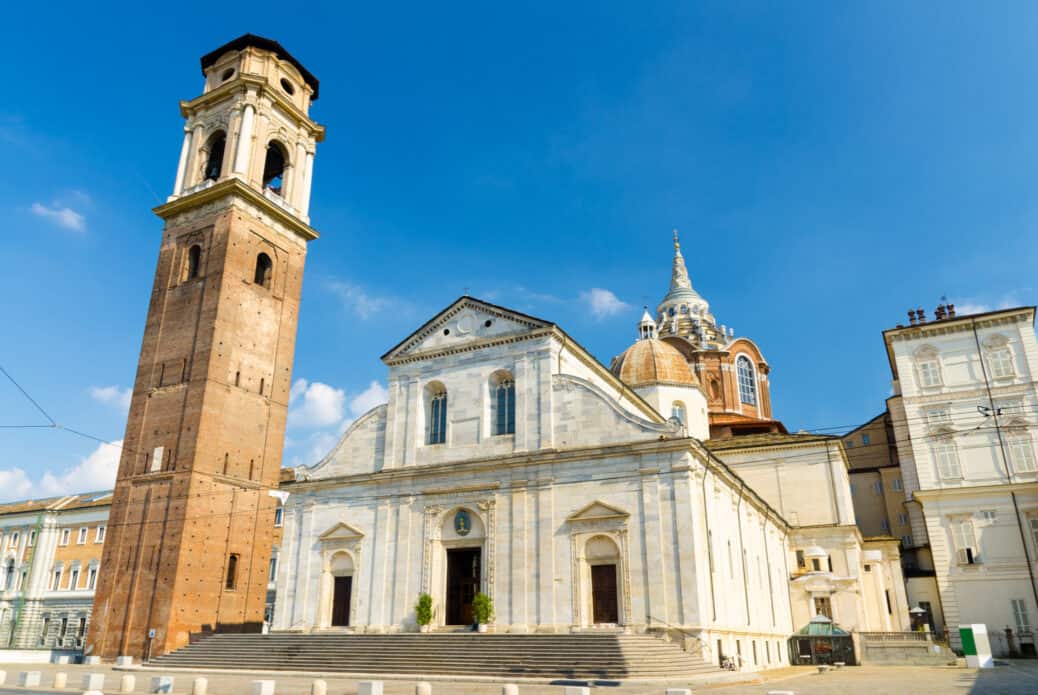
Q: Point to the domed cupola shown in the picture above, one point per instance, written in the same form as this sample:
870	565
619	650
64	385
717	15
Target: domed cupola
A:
660	374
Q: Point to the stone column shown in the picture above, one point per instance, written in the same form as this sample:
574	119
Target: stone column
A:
241	157
185	150
192	158
42	559
686	545
654	574
298	178
519	570
308	178
546	561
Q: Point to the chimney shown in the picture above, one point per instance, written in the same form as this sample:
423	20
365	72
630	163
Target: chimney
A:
951	311
921	314
911	317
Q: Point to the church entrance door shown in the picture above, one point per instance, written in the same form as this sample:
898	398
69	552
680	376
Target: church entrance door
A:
462	584
603	594
341	601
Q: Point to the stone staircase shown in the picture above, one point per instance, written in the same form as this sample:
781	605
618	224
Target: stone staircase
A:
554	656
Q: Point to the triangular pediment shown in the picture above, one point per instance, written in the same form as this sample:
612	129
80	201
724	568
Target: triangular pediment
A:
466	322
597	511
341	532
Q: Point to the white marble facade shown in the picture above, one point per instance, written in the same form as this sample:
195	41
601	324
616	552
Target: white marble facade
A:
590	476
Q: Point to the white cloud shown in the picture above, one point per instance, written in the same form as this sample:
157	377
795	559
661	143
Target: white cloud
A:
374	394
357	301
112	395
603	303
315	404
95	472
976	306
60	215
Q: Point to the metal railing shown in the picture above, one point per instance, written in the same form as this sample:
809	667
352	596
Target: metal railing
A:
896	636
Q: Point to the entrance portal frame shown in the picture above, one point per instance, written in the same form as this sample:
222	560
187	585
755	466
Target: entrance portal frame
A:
599	519
340	556
439	536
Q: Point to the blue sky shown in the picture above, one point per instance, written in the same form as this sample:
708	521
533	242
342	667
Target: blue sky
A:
829	166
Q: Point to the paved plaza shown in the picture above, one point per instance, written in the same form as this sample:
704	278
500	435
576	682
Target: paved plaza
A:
1014	678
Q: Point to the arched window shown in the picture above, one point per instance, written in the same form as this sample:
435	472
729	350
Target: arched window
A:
274	167
214	162
677	412
502	399
9	575
747	380
436	425
264	270
194	261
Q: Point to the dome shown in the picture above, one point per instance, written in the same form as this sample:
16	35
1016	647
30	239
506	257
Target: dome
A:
652	361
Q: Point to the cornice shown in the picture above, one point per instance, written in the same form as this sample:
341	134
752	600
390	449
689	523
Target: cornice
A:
235	187
972	490
241	84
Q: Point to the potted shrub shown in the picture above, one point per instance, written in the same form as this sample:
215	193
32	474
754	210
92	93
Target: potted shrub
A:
482	611
423	612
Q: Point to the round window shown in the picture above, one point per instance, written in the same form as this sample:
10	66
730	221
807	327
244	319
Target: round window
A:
227	74
287	86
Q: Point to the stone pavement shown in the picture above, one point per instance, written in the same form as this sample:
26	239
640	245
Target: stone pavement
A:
1015	678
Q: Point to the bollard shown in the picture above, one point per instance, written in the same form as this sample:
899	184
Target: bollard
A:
124	661
127	683
28	678
91	660
678	691
60	680
577	690
319	688
509	689
3	677
369	688
199	686
94	681
423	688
781	692
161	684
262	688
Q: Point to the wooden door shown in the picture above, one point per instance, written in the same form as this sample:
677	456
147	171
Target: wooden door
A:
603	594
341	601
463	574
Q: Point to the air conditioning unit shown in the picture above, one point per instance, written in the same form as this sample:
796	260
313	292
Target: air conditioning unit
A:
966	556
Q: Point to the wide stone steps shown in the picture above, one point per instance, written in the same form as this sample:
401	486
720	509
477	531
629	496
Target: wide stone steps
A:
582	656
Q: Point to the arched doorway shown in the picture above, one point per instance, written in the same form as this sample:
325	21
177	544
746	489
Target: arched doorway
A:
341	569
603	559
462	534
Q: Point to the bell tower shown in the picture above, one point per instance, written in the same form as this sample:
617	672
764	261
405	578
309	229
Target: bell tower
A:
190	531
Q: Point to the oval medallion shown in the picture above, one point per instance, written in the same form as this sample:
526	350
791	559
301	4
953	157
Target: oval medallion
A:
462	523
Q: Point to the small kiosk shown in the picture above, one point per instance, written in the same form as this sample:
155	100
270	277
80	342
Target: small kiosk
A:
821	642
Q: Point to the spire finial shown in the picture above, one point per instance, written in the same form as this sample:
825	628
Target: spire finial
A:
677	244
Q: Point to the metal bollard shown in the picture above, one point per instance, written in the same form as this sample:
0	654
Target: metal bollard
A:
127	683
369	688
423	688
199	686
509	689
60	680
319	688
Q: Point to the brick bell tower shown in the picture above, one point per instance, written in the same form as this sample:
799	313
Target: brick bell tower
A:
190	531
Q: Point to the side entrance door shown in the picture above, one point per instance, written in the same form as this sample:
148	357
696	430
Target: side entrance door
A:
341	601
603	594
462	584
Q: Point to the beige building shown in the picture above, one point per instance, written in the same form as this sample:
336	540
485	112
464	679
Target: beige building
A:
50	562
